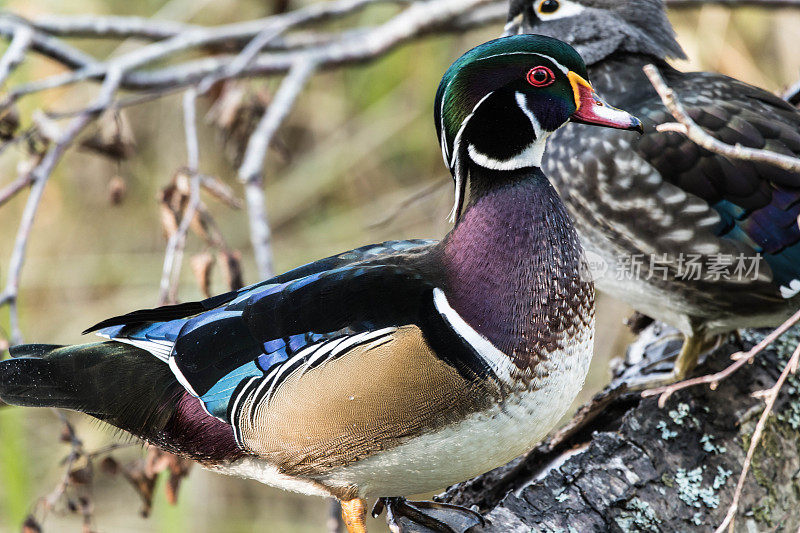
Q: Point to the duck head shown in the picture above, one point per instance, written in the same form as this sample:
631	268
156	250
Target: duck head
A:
497	104
598	28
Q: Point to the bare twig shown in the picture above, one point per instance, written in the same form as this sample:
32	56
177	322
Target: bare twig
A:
174	254
15	52
740	359
48	46
24	179
419	18
250	172
769	396
698	135
425	192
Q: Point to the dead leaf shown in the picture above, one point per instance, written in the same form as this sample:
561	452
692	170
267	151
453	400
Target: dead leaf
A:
9	122
231	261
113	138
110	466
201	267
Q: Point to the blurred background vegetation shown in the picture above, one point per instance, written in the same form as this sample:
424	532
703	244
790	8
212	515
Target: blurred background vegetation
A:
359	143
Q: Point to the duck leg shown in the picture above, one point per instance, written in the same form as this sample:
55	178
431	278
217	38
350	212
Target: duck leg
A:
354	513
692	348
424	516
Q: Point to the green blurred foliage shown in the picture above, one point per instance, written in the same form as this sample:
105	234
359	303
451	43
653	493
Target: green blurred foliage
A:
359	142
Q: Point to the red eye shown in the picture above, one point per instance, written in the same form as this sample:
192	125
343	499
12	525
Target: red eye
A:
540	76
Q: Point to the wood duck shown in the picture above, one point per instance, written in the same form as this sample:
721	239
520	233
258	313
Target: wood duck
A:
704	243
388	370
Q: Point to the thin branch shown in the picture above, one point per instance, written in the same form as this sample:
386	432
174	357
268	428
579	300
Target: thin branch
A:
93	26
770	396
417	19
699	136
23	36
173	256
740	359
251	170
12	189
48	46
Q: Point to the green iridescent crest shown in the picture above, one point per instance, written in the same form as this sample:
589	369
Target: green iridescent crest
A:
488	67
481	72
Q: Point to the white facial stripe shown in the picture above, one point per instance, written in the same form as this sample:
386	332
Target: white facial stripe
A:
566	9
522	102
558	65
499	362
453	163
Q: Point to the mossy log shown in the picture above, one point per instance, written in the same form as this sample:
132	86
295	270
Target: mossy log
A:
632	466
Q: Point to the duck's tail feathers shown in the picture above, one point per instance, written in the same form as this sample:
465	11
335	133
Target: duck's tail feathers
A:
119	384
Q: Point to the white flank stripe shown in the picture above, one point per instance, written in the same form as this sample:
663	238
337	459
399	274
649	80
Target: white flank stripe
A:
265	381
499	362
236	401
173	365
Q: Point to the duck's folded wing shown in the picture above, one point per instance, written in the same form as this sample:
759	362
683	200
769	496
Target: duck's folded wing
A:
262	334
758	203
188	309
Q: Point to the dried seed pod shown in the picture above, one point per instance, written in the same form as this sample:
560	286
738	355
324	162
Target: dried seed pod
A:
117	188
113	138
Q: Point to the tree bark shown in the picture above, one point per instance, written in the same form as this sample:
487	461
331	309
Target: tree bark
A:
632	466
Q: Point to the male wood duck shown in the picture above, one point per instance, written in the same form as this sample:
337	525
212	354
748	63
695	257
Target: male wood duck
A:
388	370
702	242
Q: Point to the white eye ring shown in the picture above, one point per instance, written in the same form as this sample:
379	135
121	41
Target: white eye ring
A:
565	9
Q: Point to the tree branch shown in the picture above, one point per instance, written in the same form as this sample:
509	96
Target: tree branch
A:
251	170
23	36
173	257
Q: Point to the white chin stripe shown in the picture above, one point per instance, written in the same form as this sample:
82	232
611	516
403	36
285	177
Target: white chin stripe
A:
529	157
499	362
